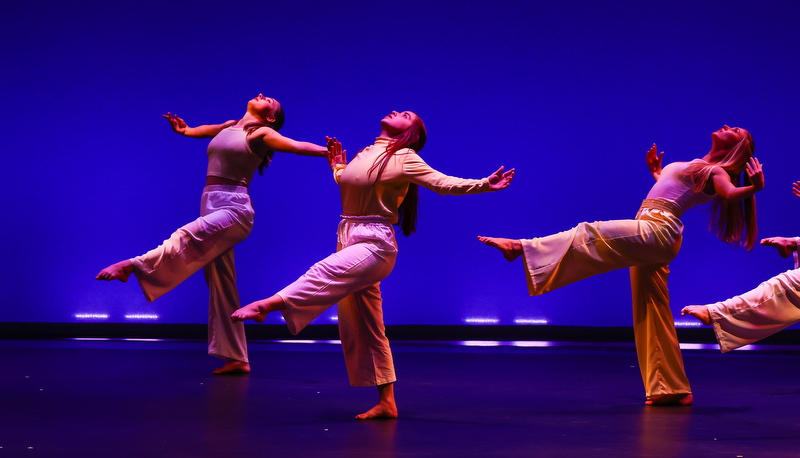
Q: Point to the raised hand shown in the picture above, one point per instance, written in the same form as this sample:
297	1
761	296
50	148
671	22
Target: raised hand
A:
499	180
654	161
178	125
755	173
796	188
336	155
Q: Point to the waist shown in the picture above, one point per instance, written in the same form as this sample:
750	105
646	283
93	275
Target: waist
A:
212	180
661	204
367	219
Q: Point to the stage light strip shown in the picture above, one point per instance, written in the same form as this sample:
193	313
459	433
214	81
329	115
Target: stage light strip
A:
141	316
91	316
530	321
477	320
688	324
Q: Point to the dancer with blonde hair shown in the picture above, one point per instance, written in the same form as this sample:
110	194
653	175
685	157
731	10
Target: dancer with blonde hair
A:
648	243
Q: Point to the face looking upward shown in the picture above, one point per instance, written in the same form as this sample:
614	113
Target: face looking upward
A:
263	107
727	137
396	123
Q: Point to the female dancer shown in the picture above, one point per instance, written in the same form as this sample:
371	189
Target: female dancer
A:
772	306
647	245
237	149
378	189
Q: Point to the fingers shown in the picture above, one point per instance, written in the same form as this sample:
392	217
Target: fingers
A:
499	171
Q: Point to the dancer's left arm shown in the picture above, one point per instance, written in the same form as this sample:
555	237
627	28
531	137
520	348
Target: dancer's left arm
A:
725	188
419	172
277	142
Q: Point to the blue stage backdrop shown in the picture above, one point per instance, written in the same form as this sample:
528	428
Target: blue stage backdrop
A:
571	94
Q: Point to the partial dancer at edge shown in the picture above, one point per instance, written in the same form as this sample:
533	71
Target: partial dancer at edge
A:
378	189
772	306
237	149
647	245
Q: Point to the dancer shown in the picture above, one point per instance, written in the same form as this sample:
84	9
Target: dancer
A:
647	245
772	306
237	149
378	189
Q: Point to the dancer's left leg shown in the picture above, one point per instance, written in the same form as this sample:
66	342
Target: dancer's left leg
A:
657	347
226	339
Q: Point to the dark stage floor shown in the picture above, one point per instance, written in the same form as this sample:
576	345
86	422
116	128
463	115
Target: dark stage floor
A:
141	399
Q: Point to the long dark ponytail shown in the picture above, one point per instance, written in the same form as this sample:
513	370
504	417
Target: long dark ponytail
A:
414	138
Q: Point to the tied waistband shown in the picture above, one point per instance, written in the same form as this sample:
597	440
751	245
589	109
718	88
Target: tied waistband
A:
367	219
661	204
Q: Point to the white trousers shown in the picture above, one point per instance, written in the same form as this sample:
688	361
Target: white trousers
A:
759	313
207	242
646	245
366	253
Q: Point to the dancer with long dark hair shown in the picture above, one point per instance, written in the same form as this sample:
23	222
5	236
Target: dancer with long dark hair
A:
378	189
648	243
236	151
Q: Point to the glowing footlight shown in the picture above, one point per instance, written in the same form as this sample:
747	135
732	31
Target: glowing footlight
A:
480	343
91	316
688	324
477	320
530	321
141	316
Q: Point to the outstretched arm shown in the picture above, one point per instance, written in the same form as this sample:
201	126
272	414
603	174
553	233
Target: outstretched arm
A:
205	131
499	180
654	161
277	142
725	188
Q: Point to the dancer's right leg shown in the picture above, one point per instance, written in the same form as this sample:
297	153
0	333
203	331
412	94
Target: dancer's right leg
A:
784	245
511	249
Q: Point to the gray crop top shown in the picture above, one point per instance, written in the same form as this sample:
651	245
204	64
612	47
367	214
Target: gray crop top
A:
230	156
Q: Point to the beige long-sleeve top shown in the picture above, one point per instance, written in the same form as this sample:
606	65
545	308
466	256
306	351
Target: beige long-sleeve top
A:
362	196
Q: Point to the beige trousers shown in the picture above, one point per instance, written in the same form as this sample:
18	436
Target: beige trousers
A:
207	242
366	253
646	245
759	313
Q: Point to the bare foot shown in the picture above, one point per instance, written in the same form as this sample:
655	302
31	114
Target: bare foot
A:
698	311
248	312
381	411
511	249
233	368
119	271
785	245
681	399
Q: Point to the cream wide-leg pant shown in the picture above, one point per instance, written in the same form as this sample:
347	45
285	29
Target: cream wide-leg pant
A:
770	307
207	242
365	255
646	245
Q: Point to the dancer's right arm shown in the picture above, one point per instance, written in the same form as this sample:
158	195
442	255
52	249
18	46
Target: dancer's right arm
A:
205	131
654	162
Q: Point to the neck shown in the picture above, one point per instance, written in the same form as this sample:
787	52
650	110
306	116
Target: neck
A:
248	118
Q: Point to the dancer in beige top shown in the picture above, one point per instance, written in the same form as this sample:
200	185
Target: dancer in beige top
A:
378	189
770	307
648	243
236	151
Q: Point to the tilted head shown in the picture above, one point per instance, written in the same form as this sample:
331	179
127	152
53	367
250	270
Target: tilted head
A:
732	148
268	110
406	129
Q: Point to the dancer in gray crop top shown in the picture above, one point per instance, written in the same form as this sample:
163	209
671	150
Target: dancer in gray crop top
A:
647	244
236	151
